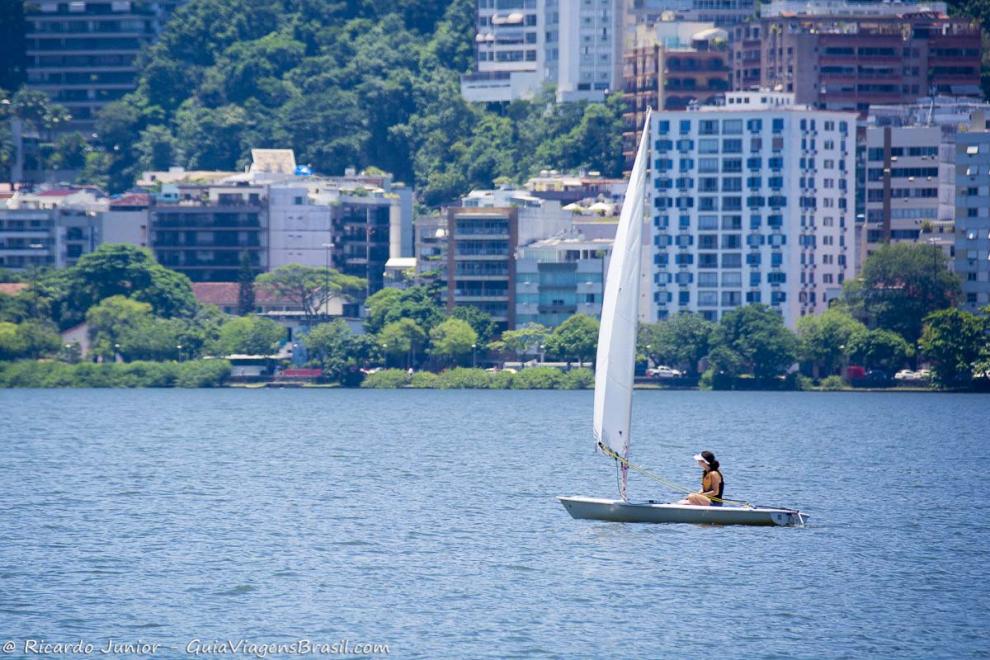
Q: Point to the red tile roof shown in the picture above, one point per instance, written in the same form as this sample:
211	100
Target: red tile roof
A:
132	199
226	294
12	288
57	192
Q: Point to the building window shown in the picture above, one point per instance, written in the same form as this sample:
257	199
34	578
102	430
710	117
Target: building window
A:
732	260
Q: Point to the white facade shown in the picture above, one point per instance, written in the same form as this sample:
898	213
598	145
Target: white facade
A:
299	229
972	245
125	226
902	186
910	171
559	277
538	218
523	45
753	202
590	49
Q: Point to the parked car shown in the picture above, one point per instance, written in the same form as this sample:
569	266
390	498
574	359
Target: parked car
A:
907	374
663	372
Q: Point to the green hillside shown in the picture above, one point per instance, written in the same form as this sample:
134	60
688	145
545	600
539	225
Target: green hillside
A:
351	83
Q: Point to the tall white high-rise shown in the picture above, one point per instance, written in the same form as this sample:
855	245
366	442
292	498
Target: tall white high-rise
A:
524	45
753	202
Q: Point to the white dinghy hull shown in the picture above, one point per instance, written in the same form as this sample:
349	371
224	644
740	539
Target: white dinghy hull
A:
593	508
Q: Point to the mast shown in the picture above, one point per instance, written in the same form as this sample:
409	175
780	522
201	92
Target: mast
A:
616	359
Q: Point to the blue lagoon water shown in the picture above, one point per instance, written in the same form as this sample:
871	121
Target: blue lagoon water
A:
426	520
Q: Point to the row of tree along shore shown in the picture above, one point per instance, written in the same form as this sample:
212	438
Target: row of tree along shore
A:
145	328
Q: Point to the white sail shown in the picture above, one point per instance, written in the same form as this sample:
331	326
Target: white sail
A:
616	360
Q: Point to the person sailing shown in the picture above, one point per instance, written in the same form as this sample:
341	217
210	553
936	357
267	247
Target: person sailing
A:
712	483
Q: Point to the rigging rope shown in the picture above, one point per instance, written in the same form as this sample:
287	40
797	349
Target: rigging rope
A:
655	477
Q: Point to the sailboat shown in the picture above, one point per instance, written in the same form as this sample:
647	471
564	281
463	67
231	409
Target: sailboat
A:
614	372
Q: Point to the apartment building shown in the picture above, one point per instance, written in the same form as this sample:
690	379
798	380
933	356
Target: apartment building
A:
559	277
481	260
971	156
50	228
482	236
843	55
203	231
753	202
83	53
524	45
722	13
669	66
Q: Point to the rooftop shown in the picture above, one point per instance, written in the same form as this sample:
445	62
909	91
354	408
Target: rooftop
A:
12	288
227	294
834	8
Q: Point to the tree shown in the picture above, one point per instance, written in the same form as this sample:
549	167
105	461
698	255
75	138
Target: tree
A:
682	341
329	342
245	286
402	337
526	340
379	307
955	341
900	285
250	335
827	339
68	152
310	288
452	341
480	320
418	303
754	338
112	320
40	338
11	342
574	339
154	339
117	270
880	349
354	83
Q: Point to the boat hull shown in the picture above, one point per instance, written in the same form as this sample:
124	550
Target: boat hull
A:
592	508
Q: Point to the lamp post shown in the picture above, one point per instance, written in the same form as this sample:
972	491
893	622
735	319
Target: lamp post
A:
326	281
933	242
116	353
474	356
385	354
178	347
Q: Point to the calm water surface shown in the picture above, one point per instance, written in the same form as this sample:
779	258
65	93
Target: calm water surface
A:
426	520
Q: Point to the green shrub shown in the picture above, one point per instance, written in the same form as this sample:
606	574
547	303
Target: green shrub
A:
89	374
462	378
705	381
28	373
538	378
203	373
150	374
386	379
424	380
833	383
578	379
804	383
502	380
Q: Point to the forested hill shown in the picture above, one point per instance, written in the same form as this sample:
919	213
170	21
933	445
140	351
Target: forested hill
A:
348	83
